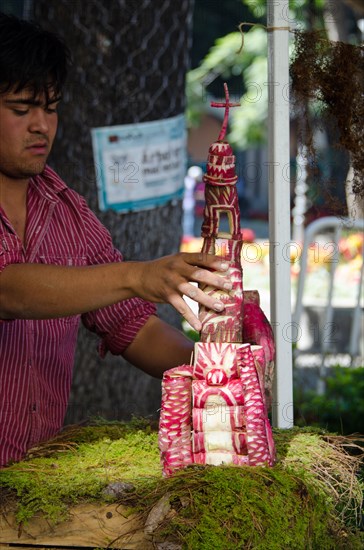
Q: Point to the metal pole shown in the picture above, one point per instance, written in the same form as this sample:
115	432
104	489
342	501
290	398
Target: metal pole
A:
279	208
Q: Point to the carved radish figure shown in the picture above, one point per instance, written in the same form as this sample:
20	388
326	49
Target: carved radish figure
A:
214	411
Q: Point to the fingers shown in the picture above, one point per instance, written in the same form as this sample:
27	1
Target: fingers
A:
206	269
180	305
195	293
213	278
174	277
209	261
216	280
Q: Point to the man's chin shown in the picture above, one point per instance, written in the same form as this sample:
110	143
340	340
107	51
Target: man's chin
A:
26	171
36	171
34	168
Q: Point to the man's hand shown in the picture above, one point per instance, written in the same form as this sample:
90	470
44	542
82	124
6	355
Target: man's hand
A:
169	278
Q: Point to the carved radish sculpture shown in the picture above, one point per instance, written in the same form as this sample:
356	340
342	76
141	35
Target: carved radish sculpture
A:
215	410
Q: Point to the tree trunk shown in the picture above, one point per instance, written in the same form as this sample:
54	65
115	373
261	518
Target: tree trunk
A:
336	22
130	60
354	201
337	26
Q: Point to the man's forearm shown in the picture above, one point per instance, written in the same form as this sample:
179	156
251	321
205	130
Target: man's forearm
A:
33	291
158	347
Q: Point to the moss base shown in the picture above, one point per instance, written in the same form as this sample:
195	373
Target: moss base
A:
312	498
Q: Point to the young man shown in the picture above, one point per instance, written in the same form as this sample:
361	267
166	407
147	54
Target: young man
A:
58	264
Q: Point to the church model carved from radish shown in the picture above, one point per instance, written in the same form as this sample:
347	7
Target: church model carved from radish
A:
215	410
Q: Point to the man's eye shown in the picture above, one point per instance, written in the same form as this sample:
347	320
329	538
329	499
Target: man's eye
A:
50	111
19	112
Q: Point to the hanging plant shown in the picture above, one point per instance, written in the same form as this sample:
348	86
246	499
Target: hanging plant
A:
331	73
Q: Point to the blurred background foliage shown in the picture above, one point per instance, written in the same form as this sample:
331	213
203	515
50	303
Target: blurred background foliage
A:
217	57
340	409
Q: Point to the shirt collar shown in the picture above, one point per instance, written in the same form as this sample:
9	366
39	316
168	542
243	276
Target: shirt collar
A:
48	184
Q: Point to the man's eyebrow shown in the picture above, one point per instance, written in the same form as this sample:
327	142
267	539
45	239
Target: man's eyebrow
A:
31	101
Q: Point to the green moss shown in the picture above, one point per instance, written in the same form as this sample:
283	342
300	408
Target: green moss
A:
256	508
309	500
97	456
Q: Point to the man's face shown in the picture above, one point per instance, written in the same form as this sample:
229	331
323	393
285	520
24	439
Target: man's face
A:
27	129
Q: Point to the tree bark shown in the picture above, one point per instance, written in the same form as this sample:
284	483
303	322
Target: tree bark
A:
354	201
337	26
130	60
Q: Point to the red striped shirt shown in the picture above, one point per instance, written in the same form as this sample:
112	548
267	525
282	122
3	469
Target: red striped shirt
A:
36	356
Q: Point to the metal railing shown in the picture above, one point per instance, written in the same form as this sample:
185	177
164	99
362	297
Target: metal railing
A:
333	227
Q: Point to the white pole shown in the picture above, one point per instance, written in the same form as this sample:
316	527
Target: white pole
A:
279	208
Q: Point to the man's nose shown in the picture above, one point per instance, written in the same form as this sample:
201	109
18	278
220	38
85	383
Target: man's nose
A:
39	121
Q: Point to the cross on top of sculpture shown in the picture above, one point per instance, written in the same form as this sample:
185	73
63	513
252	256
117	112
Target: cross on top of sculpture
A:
227	106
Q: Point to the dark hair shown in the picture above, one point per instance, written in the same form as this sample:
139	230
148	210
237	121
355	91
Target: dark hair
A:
31	57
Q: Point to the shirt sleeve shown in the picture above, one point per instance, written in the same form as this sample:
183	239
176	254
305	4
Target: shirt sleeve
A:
10	253
10	250
118	324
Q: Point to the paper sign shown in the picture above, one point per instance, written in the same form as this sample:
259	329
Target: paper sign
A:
140	165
